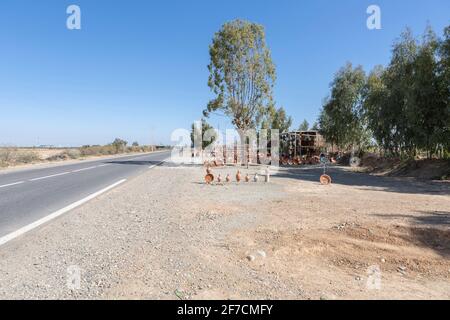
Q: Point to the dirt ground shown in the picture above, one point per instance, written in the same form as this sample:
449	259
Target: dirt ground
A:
324	242
168	235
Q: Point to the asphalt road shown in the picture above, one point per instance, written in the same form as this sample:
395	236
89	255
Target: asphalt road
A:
32	194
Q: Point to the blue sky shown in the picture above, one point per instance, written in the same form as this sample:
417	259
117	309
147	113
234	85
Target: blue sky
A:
137	69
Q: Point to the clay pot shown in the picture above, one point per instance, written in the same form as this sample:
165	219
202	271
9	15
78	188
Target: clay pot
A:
228	178
238	176
247	178
325	179
209	178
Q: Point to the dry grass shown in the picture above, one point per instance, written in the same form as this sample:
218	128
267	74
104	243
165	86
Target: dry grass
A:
13	156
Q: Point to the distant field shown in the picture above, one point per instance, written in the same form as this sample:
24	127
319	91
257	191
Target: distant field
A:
15	156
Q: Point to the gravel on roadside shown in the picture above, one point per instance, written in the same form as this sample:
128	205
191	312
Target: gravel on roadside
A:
168	235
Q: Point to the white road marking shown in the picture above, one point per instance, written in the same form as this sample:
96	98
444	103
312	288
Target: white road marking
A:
74	171
11	184
47	177
84	169
21	231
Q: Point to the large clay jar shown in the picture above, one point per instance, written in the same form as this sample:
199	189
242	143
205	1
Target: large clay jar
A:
238	176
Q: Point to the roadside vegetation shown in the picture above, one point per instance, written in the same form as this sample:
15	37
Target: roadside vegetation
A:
398	111
14	156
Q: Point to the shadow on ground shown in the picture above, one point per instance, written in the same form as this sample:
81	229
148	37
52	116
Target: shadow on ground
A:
430	229
429	219
364	181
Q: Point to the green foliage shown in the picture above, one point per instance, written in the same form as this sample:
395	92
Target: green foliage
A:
242	73
340	120
404	107
119	145
304	126
276	119
135	144
315	127
427	106
444	86
379	117
196	132
407	104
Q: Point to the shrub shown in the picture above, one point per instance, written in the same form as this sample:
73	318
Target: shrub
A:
73	153
25	157
5	156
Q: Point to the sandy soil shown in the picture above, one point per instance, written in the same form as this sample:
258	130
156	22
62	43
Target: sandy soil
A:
167	235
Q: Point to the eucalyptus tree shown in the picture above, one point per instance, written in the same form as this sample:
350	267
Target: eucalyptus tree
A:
276	119
340	119
400	103
378	117
444	86
304	126
428	109
242	74
199	133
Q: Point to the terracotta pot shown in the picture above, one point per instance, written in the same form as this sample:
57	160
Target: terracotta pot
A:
247	178
325	179
209	178
228	178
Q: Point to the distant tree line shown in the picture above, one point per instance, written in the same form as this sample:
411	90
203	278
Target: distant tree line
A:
118	146
403	108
